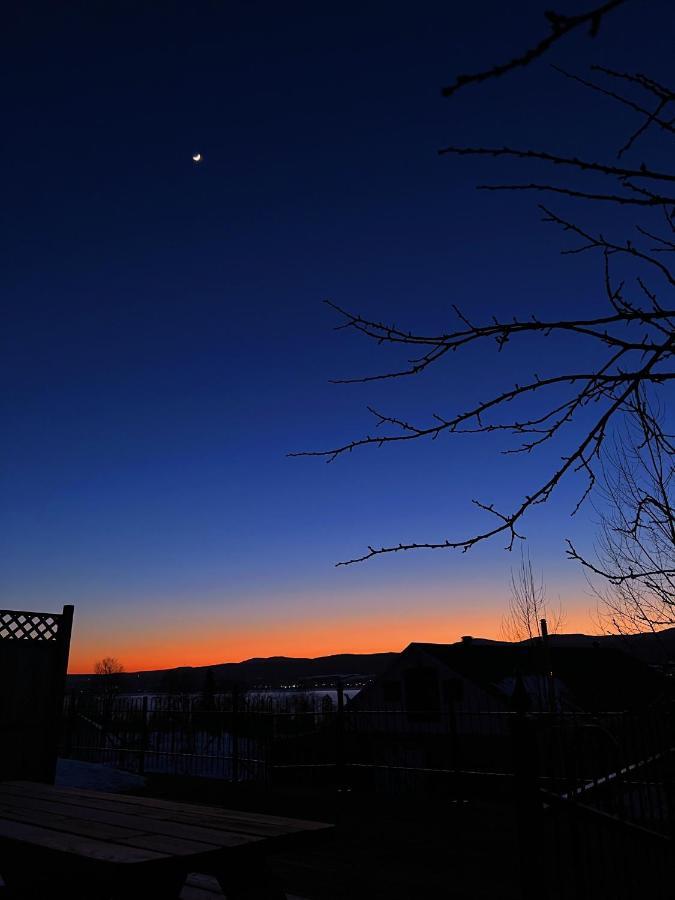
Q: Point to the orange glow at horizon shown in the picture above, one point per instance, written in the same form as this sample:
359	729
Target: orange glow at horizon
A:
173	646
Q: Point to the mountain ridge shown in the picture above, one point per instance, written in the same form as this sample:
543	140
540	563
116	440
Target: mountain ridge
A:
272	671
275	671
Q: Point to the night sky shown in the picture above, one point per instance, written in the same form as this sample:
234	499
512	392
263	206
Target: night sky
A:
164	343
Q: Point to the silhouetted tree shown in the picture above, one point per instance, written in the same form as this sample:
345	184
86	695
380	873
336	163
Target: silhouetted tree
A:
633	335
109	665
528	605
635	551
108	673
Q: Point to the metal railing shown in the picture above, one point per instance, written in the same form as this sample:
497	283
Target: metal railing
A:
593	788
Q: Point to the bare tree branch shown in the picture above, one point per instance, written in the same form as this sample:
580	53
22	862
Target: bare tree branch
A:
635	551
583	195
561	25
632	343
581	164
663	95
528	605
579	459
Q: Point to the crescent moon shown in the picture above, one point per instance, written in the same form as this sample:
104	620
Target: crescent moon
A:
197	157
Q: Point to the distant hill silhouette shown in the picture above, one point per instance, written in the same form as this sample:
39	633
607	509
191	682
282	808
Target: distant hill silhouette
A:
274	671
653	647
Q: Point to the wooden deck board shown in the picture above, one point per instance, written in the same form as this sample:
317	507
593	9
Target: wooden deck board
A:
163	807
70	837
215	838
64	842
167	843
100	831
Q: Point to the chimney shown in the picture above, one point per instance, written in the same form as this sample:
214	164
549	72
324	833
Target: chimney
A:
467	640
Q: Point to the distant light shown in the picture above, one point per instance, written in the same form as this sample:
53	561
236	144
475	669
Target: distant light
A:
197	157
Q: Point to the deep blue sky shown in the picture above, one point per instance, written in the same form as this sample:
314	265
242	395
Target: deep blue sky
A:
163	338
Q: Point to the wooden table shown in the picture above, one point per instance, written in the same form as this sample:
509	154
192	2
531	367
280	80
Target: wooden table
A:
71	843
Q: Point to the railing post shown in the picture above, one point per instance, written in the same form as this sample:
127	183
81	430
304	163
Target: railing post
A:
104	714
144	736
340	734
235	733
668	778
527	801
270	733
549	680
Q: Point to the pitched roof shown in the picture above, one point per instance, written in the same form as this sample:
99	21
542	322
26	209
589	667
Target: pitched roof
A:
598	677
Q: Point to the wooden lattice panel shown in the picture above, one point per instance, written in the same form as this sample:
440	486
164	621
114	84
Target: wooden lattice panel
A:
31	626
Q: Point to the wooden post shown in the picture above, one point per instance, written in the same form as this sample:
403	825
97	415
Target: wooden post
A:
62	651
65	632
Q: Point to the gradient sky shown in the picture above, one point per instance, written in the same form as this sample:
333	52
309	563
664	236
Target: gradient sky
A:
163	339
